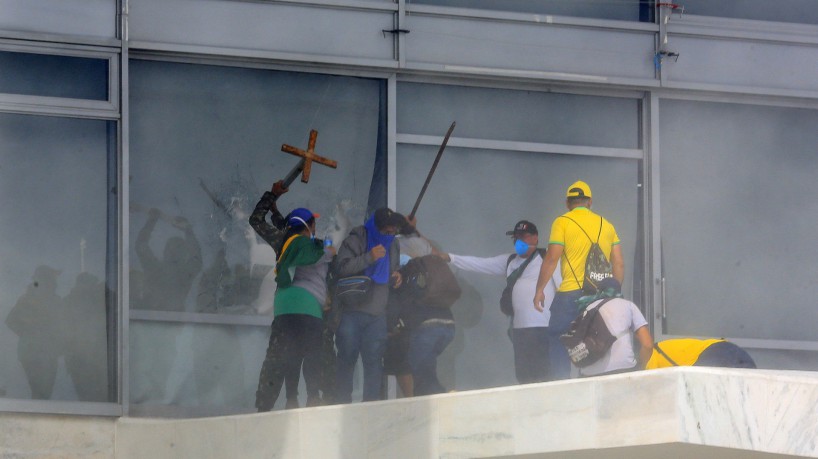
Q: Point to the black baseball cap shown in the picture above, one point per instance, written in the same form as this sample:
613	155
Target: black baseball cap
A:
523	226
387	217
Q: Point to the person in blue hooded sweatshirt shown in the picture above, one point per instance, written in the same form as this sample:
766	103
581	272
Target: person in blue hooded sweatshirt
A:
372	251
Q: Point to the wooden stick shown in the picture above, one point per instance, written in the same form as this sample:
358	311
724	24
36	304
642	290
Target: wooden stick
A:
432	170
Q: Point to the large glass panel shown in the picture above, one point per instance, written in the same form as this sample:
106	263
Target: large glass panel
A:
57	260
797	11
477	195
625	10
53	76
205	144
738	219
473	199
525	116
214	371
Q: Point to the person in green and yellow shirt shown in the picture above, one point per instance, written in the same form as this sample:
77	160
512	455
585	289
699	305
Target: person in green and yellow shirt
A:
297	329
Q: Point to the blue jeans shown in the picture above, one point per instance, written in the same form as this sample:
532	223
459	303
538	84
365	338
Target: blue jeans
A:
426	343
563	312
361	334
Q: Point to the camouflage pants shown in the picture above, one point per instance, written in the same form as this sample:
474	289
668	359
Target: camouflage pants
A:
327	381
294	339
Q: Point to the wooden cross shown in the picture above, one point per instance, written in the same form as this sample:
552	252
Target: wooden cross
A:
305	165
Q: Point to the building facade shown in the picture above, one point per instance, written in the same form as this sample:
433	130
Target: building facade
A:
137	135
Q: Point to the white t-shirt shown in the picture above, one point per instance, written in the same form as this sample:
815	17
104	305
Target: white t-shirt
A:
623	318
522	297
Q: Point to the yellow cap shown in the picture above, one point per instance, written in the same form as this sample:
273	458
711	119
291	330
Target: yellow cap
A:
578	189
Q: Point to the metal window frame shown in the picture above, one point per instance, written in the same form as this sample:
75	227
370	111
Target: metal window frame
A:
107	110
87	108
653	160
80	407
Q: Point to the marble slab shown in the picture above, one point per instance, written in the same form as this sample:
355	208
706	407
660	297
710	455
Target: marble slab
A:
675	412
56	436
705	412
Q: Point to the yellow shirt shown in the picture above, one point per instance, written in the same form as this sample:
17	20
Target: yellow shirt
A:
683	351
576	244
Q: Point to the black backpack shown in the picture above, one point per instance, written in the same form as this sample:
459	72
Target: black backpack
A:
431	281
597	266
588	338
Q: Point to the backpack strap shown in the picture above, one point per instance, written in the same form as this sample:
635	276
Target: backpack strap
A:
566	256
583	229
515	275
667	357
598	307
508	262
600	230
572	268
624	333
512	278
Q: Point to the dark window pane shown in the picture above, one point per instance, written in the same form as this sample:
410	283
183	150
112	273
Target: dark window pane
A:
624	10
53	76
796	11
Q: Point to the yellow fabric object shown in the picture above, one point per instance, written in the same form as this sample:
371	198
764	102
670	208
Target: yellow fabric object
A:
683	351
284	249
576	244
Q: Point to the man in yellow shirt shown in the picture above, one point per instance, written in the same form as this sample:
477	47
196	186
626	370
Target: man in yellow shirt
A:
572	235
699	353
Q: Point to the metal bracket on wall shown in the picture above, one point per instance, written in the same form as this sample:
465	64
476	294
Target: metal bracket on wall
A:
661	55
665	12
668	8
394	31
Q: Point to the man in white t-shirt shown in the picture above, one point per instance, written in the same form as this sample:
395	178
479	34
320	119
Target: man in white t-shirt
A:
529	334
625	321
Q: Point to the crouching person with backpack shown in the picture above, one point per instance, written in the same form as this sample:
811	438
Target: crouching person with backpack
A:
714	352
428	291
599	341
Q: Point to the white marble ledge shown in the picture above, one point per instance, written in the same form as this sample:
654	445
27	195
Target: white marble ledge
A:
677	412
56	436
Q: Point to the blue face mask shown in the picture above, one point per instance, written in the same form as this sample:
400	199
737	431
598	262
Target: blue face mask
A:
520	247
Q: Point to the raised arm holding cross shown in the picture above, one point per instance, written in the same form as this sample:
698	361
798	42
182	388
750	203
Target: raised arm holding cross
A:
305	165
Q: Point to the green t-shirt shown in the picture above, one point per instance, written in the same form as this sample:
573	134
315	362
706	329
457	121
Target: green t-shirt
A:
296	300
298	250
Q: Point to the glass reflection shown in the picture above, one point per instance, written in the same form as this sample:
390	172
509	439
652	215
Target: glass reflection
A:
55	221
202	155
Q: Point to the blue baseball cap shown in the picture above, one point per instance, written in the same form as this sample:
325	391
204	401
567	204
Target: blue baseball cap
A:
300	217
